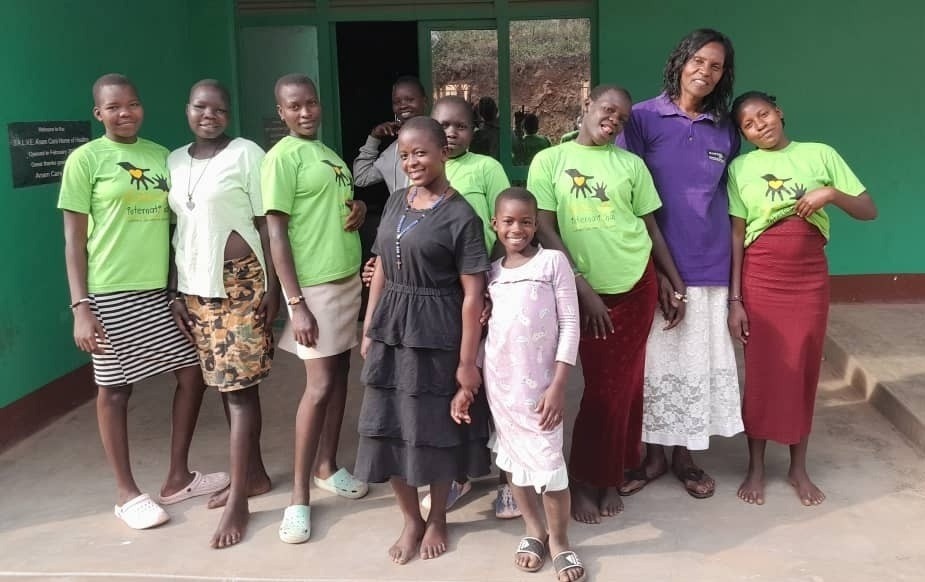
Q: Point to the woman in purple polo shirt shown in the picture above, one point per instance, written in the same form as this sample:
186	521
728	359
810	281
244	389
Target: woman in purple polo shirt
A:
687	140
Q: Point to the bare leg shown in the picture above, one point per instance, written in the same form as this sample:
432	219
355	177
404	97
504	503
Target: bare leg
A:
752	489
187	400
557	506
408	541
258	481
434	542
112	418
320	386
333	419
243	406
807	491
585	503
533	520
655	465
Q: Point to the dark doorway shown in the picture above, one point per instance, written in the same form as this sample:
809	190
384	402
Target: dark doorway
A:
370	56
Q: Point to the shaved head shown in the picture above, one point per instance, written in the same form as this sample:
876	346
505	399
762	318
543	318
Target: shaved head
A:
110	80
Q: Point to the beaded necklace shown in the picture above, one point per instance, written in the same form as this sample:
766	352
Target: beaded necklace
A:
401	230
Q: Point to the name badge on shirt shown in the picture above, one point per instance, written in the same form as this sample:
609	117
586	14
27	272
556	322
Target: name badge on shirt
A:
716	156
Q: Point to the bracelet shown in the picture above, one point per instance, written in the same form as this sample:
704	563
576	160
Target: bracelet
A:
682	297
77	303
295	300
172	300
734	299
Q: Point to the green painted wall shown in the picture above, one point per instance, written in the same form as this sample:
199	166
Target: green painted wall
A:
845	72
53	52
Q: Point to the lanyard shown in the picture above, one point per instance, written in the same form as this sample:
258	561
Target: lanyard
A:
401	230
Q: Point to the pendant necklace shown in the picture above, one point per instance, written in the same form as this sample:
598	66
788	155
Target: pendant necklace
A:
401	230
191	189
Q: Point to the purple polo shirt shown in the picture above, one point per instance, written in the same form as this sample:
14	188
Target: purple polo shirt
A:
688	160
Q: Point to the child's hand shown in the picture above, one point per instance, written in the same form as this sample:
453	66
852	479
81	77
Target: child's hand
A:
468	378
357	215
384	130
813	201
369	269
88	330
459	406
738	321
595	317
552	407
182	318
364	346
486	310
304	326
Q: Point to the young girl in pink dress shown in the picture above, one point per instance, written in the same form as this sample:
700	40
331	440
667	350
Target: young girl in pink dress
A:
532	343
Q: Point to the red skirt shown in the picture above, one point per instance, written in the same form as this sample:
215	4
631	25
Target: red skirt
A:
608	430
785	286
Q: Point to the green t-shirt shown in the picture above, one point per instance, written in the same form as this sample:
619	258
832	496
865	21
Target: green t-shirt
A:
599	194
479	179
308	181
123	188
764	185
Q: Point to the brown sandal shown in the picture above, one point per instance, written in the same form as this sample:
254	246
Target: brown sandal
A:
568	560
694	474
638	474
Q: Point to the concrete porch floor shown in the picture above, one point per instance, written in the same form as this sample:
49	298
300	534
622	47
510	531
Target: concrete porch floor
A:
56	519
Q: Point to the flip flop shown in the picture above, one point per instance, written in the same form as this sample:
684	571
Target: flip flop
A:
343	484
568	560
141	512
638	474
534	547
202	484
296	526
694	474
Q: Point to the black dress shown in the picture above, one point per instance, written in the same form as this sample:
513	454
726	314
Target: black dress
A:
410	370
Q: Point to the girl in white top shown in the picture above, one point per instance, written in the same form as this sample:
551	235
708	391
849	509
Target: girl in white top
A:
225	294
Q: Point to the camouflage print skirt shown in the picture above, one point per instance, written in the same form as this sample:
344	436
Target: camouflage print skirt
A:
235	346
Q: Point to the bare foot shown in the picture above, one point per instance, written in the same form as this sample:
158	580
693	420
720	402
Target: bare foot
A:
407	543
610	504
806	490
752	489
584	506
435	538
232	526
256	486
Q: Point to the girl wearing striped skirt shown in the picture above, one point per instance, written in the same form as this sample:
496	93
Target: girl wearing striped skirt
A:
114	198
779	289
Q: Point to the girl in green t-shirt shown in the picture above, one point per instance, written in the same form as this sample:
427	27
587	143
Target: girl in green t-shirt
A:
116	220
596	204
779	288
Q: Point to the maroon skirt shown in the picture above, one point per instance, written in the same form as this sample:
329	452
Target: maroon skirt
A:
608	430
785	289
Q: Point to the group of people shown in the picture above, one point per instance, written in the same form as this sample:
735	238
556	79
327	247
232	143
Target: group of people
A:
649	209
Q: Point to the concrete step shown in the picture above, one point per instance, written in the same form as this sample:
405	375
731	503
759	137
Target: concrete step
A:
880	350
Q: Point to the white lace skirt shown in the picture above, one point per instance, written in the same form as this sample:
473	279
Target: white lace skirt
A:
692	384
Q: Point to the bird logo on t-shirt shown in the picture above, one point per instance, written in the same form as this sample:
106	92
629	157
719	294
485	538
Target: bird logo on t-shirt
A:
339	174
579	183
138	175
775	186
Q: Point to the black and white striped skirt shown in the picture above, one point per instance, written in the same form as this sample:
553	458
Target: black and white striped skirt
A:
141	340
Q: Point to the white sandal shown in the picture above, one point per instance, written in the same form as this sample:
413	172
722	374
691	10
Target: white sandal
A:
141	513
296	526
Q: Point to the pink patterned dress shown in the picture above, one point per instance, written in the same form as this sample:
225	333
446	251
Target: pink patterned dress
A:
533	325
